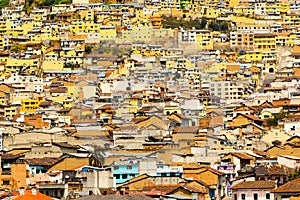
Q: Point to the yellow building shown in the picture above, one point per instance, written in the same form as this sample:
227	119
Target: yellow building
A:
68	102
53	65
284	7
20	30
285	39
105	32
38	15
138	33
251	57
246	10
30	105
273	9
211	12
241	19
204	40
10	111
87	15
231	3
291	19
25	66
4	24
265	42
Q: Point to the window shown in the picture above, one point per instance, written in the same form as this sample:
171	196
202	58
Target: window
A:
129	167
124	176
117	176
243	196
235	197
116	167
255	196
267	195
5	182
132	175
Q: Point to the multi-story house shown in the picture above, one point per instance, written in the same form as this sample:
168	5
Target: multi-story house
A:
125	170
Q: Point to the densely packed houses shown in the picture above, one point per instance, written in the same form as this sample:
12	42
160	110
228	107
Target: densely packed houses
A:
150	99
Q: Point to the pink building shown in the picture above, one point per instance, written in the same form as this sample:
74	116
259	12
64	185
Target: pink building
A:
253	190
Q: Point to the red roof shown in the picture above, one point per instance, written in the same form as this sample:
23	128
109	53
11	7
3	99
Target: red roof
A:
29	196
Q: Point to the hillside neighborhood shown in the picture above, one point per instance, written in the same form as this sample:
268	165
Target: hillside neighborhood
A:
150	99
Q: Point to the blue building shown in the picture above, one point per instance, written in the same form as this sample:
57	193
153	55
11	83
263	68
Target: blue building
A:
125	170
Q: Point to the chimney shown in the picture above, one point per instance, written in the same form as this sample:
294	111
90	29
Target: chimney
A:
22	191
33	190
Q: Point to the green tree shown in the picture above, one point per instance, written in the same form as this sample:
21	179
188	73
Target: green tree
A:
274	121
203	23
18	48
4	3
295	174
48	3
88	49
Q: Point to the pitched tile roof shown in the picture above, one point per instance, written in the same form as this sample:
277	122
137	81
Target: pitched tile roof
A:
161	188
253	117
289	187
242	156
116	197
186	129
29	196
42	161
255	185
277	170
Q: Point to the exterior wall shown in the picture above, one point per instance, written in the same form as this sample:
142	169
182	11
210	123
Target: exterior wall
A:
147	167
97	179
249	194
44	151
290	163
291	127
123	173
16	178
167	170
266	115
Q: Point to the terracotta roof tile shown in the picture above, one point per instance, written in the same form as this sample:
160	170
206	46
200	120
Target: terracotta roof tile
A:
186	129
59	90
42	161
253	117
242	156
29	196
255	185
161	188
289	187
277	170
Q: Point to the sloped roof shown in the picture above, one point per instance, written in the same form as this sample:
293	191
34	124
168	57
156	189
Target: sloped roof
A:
277	170
255	185
190	189
252	117
289	187
186	129
116	197
42	161
138	178
242	156
29	196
